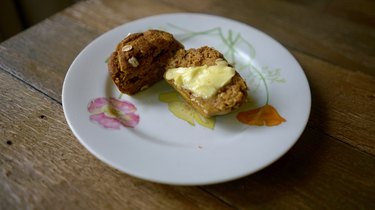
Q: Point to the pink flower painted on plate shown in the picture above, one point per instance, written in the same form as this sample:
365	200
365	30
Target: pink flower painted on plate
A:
113	113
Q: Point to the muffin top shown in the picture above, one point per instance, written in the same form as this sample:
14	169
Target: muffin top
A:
139	60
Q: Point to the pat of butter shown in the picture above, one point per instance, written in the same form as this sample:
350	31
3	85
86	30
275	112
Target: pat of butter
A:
202	81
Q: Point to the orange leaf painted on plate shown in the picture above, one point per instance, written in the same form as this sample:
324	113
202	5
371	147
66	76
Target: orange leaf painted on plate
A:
265	115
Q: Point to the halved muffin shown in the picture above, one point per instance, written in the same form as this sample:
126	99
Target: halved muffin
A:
140	59
206	81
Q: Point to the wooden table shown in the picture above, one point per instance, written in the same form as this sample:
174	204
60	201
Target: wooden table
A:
43	166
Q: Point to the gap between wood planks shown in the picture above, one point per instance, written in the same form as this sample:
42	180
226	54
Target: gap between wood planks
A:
30	85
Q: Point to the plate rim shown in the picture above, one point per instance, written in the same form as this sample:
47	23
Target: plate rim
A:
100	157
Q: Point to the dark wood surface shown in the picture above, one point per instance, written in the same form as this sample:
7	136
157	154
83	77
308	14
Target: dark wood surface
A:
43	166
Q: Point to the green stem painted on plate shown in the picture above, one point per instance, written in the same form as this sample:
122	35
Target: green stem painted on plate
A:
230	42
120	95
264	82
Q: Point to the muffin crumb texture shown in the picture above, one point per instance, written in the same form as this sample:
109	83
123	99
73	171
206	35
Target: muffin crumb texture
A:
140	59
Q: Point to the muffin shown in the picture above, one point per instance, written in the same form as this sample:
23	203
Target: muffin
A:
229	90
140	59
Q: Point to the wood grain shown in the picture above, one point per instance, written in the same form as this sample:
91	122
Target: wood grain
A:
362	12
329	95
46	67
343	102
339	41
42	55
318	173
105	15
330	38
43	166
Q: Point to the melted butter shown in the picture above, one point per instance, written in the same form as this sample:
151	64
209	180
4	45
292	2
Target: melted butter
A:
202	81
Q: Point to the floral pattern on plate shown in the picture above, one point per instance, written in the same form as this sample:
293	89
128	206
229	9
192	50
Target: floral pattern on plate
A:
113	113
265	115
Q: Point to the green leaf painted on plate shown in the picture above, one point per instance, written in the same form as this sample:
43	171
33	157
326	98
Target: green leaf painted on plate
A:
235	45
184	111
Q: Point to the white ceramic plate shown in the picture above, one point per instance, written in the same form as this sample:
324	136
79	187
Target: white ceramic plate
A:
140	136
